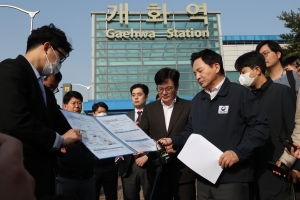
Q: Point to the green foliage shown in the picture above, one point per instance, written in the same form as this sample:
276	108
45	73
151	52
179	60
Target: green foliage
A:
292	22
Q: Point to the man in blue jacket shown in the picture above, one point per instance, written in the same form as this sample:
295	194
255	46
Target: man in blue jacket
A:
230	117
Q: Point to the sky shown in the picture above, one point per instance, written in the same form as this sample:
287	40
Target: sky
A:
238	17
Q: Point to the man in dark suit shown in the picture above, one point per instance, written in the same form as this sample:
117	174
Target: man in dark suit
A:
133	169
28	109
166	118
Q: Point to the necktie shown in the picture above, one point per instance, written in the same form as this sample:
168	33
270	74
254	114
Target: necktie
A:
139	116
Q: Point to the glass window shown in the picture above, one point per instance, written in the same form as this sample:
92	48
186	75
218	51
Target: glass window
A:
101	61
101	25
118	95
100	70
213	33
148	77
101	96
159	61
100	33
101	78
189	24
100	17
187	93
159	45
212	17
135	78
134	16
157	25
120	87
181	16
124	61
124	70
117	25
101	53
233	76
187	76
100	45
100	87
155	68
123	45
185	68
192	85
212	25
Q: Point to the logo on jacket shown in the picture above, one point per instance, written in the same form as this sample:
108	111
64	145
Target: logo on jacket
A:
223	109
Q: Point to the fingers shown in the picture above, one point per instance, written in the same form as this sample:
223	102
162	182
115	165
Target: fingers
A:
227	159
165	141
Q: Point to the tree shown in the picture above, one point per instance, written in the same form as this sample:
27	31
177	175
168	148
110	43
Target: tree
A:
292	22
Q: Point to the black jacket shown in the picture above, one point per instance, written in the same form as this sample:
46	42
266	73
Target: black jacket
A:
279	103
241	129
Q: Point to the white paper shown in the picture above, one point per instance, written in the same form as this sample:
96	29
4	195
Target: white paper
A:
109	142
94	137
202	157
126	130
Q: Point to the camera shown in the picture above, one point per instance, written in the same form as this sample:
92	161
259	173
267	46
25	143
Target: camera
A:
287	143
163	156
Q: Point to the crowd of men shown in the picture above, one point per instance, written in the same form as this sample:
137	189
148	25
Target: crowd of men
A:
42	157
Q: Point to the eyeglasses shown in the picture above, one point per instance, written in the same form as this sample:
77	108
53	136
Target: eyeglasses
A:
167	89
56	90
266	53
63	55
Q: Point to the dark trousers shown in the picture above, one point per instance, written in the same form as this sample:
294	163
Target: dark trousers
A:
40	168
226	191
135	179
168	189
107	177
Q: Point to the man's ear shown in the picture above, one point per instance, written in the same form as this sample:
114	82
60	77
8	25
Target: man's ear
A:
65	106
278	53
217	67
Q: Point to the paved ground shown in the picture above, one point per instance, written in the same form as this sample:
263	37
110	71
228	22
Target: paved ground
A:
120	192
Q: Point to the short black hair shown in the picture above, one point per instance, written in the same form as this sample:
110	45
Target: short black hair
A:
57	77
69	95
209	57
142	86
289	60
251	59
274	46
157	97
99	104
167	73
51	34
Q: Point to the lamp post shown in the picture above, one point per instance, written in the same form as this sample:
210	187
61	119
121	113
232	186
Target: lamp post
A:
87	87
31	14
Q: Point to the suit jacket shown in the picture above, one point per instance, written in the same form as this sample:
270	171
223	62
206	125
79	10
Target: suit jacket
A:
123	169
153	124
25	116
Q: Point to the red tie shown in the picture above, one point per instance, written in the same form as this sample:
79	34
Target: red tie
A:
139	116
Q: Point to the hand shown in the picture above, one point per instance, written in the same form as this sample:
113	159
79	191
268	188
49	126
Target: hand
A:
294	152
165	141
63	150
138	154
137	123
14	176
71	138
140	161
227	159
295	175
280	164
118	163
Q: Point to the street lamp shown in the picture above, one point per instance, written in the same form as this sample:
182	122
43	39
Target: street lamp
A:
31	14
87	87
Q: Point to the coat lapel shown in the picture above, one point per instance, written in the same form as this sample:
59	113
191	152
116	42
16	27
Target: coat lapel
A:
159	114
175	114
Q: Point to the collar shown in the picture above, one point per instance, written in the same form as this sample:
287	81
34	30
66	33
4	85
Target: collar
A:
259	92
217	88
136	110
174	101
222	91
37	74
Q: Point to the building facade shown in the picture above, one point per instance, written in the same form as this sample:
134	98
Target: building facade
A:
130	47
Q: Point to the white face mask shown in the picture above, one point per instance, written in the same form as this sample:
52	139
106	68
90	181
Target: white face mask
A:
51	69
101	114
246	80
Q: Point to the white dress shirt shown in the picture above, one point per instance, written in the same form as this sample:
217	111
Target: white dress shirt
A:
215	90
168	112
136	114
